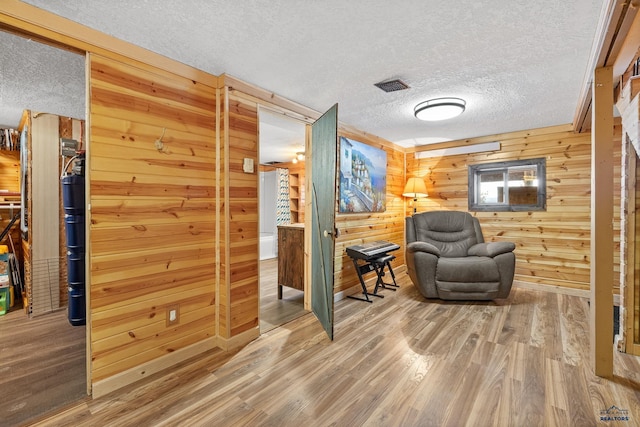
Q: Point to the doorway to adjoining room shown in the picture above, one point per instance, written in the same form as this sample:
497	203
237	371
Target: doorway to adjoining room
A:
282	166
43	353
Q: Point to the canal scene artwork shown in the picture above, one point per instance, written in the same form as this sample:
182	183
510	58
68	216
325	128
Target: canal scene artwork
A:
363	177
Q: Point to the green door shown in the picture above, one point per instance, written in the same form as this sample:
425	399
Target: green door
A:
324	141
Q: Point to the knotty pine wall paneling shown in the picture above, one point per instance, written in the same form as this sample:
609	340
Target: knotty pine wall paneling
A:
239	282
152	159
10	170
553	246
358	228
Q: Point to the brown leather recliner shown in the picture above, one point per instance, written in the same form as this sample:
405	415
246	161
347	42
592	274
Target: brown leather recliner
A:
447	258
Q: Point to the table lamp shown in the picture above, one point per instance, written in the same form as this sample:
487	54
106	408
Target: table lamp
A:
415	188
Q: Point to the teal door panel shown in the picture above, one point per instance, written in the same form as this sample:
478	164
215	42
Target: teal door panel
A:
324	140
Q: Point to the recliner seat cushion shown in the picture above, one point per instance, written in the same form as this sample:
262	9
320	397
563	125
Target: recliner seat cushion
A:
471	269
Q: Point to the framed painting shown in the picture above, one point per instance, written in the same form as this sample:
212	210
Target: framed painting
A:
363	177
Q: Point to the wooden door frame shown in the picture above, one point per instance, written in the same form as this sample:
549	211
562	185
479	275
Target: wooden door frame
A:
307	221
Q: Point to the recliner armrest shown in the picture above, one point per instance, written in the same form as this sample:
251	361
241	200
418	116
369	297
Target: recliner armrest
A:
423	247
491	249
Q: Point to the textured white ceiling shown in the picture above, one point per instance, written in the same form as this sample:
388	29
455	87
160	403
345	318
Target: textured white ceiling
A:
40	78
518	64
280	137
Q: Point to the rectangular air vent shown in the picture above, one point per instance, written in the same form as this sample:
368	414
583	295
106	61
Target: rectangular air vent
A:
392	85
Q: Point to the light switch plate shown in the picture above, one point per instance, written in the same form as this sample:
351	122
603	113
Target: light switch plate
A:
173	315
247	166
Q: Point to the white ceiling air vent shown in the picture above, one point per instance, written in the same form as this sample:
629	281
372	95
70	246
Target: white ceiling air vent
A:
392	85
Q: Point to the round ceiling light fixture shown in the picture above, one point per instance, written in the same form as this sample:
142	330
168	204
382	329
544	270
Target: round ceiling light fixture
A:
439	109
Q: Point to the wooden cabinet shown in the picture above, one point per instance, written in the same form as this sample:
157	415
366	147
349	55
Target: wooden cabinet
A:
290	257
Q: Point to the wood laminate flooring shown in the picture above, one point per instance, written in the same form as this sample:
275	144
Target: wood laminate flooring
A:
42	365
273	311
400	361
42	360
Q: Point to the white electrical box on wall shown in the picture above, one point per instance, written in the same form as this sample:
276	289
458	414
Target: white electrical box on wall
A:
247	166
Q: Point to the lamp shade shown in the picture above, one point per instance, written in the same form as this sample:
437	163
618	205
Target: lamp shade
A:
415	188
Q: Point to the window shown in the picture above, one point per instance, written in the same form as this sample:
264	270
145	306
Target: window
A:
518	185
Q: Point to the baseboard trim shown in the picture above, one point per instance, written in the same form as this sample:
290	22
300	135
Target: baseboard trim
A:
338	296
130	376
584	293
239	340
552	288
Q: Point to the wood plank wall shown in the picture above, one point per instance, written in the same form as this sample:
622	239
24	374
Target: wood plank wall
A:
552	247
239	240
357	228
10	170
153	213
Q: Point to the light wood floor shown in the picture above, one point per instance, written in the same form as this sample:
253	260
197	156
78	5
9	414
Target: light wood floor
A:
400	361
273	311
42	360
42	365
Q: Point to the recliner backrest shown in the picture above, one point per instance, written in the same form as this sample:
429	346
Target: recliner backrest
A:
452	232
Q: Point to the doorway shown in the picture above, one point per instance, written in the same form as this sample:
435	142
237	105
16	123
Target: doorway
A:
43	354
281	218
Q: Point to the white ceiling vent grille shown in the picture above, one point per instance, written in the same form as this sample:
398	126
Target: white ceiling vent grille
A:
392	85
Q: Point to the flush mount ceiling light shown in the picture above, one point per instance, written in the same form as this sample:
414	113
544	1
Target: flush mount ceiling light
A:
439	109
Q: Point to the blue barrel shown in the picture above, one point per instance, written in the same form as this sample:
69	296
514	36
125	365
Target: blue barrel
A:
73	194
77	312
75	267
74	231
